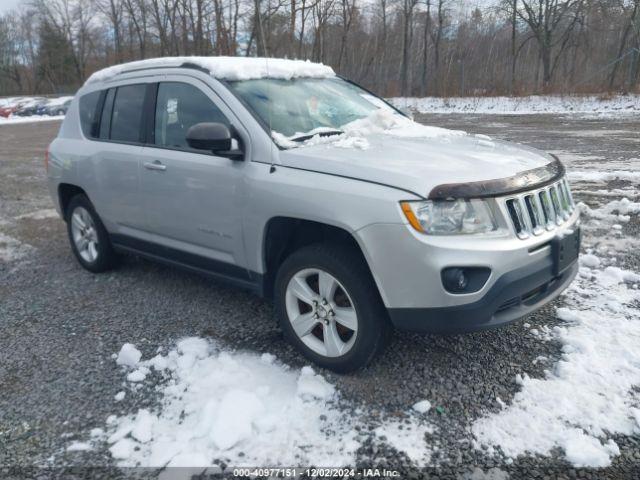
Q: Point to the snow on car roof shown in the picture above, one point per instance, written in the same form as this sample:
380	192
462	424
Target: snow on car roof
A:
227	68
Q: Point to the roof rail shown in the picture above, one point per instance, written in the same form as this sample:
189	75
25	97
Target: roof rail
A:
190	65
195	67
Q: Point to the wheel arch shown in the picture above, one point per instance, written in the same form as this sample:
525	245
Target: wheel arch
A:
66	191
283	235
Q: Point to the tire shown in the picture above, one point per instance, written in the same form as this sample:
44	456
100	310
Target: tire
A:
352	291
85	229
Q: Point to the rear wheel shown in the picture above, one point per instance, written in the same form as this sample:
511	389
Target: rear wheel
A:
329	307
89	239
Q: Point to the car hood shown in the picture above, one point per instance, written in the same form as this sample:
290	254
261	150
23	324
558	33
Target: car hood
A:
419	164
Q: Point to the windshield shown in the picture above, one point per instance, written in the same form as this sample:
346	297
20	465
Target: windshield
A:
294	108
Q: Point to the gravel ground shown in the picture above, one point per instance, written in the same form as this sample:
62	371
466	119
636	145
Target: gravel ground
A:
59	325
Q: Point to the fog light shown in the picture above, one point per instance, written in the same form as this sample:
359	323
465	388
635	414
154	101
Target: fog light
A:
454	279
464	279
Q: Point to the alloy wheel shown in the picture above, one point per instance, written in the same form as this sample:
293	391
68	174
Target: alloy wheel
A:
321	312
85	236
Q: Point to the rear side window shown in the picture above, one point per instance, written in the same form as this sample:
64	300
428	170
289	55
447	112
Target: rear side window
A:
179	106
89	118
126	118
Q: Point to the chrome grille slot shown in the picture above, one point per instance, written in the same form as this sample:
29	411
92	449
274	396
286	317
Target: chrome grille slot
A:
566	200
533	210
553	191
515	211
546	208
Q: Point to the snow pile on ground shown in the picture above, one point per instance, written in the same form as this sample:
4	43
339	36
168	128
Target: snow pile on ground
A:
614	211
15	119
12	249
594	176
239	407
589	395
39	214
549	104
408	438
491	474
423	406
129	355
244	409
383	121
228	68
79	447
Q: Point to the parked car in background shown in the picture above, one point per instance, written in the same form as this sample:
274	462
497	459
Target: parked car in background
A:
30	107
55	106
12	105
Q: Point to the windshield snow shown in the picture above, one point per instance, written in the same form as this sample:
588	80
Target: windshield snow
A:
308	111
307	106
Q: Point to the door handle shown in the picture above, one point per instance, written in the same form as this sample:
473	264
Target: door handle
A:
155	165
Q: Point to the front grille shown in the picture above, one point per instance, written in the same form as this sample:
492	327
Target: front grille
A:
533	212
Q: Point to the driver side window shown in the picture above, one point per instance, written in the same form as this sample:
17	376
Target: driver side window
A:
179	106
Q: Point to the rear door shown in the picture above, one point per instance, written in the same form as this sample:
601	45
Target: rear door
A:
114	167
193	198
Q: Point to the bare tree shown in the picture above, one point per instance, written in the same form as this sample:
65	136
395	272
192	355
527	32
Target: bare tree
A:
514	52
551	22
347	12
113	11
407	9
390	46
425	50
436	38
137	15
632	10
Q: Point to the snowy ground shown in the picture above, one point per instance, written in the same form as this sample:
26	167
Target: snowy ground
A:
150	366
580	105
14	119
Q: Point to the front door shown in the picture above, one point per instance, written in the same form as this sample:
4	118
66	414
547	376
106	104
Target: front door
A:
192	198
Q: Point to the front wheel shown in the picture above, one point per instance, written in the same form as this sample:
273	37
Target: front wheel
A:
329	307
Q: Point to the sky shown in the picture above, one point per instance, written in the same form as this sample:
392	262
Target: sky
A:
6	5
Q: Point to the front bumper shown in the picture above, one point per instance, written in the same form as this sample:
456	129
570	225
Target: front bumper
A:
407	269
514	295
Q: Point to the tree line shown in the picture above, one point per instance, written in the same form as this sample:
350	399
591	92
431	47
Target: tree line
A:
393	47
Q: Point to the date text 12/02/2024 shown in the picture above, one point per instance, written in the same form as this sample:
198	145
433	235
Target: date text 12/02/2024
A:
317	472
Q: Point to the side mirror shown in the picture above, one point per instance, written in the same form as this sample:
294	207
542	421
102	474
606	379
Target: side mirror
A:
214	137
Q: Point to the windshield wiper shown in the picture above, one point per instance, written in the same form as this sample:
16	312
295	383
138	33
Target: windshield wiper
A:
324	133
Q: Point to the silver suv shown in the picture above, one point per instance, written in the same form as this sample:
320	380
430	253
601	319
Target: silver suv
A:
287	180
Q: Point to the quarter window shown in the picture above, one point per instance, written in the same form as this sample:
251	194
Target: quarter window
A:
179	106
105	122
88	116
126	118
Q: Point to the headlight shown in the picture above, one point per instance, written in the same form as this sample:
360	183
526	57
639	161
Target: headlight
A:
450	217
